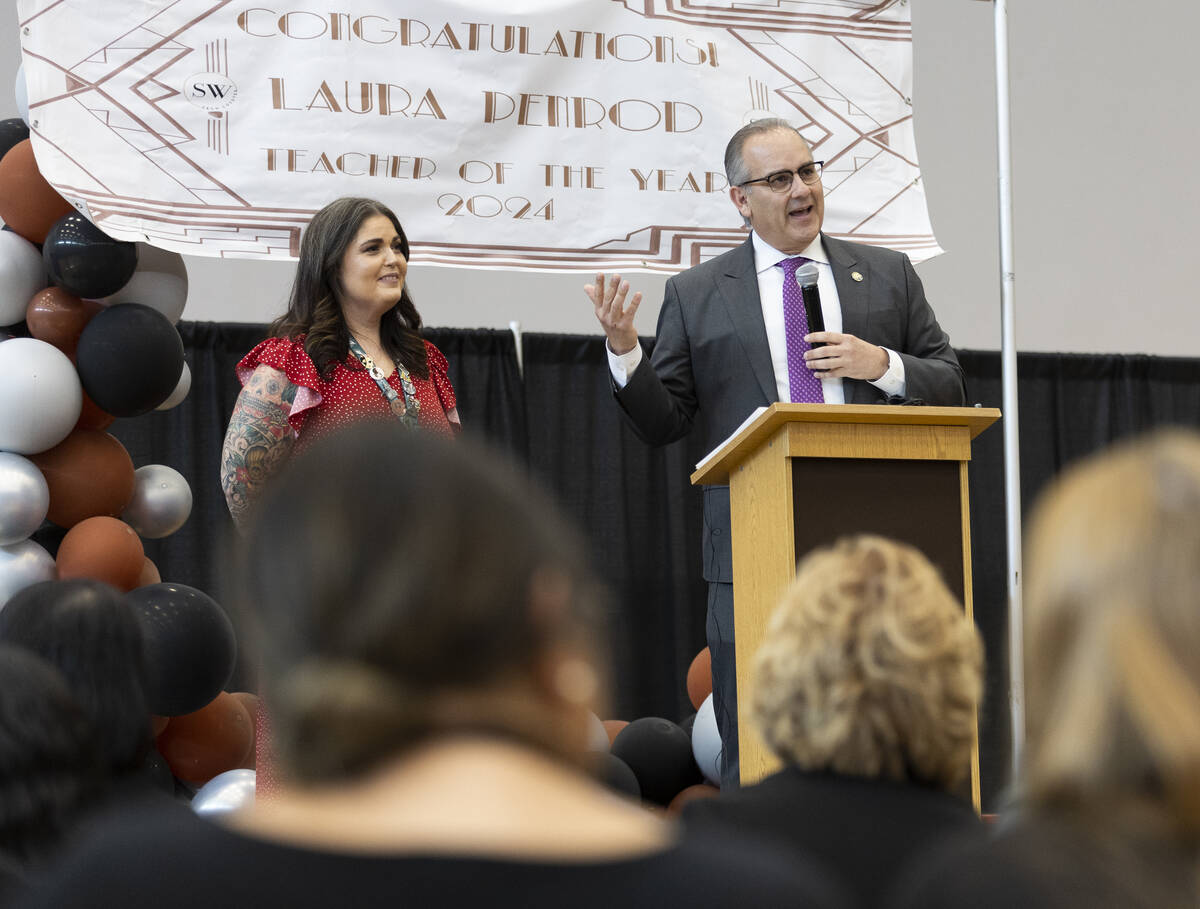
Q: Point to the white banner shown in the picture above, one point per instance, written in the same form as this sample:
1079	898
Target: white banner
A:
561	134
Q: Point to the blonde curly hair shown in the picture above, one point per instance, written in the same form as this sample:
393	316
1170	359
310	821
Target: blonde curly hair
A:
870	667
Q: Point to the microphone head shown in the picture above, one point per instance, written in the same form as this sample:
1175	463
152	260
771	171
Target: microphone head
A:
806	274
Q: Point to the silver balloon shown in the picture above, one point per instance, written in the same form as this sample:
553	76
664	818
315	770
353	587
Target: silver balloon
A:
706	742
24	498
225	792
162	501
21	565
181	390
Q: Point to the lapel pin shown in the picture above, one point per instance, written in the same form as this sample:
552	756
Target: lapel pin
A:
856	275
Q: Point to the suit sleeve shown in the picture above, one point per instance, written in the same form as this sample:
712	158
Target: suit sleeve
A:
659	400
931	370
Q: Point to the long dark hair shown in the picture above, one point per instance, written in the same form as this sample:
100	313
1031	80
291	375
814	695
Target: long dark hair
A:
314	309
51	773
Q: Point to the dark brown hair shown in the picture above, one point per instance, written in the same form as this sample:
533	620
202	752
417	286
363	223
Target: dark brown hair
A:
51	771
405	584
314	309
87	631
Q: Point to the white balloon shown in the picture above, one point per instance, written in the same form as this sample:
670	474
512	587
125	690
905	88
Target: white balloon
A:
225	792
22	275
706	742
22	565
161	503
24	498
40	396
160	282
22	92
181	390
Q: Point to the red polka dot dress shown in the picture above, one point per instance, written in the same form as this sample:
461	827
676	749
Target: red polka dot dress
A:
350	394
323	406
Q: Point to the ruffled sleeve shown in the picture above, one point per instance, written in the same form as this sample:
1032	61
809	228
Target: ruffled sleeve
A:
289	357
439	374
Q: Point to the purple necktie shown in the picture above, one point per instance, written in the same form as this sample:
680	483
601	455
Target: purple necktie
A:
803	382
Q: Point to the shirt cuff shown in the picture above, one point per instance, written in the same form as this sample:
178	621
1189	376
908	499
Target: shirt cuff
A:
622	366
891	382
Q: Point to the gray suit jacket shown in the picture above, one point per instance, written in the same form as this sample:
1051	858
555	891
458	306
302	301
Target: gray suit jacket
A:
711	364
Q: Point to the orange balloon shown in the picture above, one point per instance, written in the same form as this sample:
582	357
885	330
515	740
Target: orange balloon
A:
250	701
28	204
612	727
91	416
149	575
89	474
690	794
215	738
58	317
252	704
158	724
102	548
699	678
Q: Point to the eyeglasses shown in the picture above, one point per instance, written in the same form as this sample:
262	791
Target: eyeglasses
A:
781	181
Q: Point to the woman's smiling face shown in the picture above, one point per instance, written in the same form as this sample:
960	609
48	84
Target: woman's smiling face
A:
373	268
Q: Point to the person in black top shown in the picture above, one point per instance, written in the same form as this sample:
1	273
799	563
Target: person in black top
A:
866	687
1107	805
430	643
52	773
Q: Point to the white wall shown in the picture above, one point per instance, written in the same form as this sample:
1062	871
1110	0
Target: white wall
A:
1105	185
1105	173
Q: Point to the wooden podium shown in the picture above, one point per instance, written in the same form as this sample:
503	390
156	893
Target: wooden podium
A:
803	475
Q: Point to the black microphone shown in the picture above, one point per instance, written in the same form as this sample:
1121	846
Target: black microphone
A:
806	277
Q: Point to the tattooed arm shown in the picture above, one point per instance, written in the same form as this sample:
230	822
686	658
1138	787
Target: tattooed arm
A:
259	439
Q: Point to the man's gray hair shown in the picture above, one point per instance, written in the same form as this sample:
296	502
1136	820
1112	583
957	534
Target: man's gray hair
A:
735	165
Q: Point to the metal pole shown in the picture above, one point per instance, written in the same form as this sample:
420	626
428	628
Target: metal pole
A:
1008	372
515	327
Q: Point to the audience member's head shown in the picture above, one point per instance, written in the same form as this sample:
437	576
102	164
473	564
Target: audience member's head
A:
86	629
869	667
1112	600
406	588
51	772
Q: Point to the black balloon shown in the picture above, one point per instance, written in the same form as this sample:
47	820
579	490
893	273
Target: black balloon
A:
190	646
12	131
660	755
83	259
130	358
615	774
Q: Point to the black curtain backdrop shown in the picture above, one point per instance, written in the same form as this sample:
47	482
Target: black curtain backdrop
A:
639	514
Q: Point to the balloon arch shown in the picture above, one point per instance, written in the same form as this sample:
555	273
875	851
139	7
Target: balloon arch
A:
87	335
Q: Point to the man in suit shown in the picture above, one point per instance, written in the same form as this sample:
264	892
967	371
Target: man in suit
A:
729	340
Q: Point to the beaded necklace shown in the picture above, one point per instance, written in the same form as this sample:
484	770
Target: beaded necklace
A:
407	410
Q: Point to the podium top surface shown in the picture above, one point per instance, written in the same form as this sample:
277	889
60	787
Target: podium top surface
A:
717	464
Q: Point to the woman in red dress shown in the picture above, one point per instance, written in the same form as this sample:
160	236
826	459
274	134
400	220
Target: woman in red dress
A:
348	348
